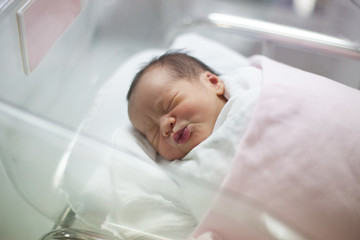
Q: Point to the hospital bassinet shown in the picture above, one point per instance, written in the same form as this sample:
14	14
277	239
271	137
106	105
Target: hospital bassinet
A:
43	113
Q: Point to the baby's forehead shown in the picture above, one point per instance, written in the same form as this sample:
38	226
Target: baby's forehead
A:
155	76
149	75
154	79
155	70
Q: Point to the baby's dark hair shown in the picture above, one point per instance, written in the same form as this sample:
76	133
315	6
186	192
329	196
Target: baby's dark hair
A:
179	64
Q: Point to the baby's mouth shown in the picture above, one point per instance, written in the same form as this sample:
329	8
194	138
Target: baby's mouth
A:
182	135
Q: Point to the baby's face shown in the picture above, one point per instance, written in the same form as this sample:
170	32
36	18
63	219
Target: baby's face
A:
175	115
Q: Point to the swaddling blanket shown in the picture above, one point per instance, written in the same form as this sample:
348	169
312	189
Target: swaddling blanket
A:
201	171
299	161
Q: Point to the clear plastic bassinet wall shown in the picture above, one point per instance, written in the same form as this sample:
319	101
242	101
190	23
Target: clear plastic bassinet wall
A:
53	150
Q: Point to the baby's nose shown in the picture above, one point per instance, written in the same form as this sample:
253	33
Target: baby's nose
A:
167	125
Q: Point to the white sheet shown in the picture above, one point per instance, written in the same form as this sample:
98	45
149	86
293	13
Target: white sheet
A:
135	192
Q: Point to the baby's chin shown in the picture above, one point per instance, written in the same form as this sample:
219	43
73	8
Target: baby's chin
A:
176	154
175	157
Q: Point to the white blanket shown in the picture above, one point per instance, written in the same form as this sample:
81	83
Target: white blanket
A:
125	190
202	170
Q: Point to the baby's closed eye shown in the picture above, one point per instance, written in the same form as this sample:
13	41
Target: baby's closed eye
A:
171	103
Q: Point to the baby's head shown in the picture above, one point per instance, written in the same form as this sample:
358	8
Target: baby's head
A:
174	102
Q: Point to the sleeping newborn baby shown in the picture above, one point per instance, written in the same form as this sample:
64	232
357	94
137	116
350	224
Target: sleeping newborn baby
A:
258	115
174	101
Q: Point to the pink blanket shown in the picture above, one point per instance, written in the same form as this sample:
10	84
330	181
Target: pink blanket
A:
298	164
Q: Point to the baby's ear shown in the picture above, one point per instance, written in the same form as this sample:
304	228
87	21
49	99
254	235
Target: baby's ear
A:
215	82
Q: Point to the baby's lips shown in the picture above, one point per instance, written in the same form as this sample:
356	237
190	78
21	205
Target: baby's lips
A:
177	135
182	135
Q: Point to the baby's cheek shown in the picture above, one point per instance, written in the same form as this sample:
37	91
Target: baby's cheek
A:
172	154
166	150
199	137
188	110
